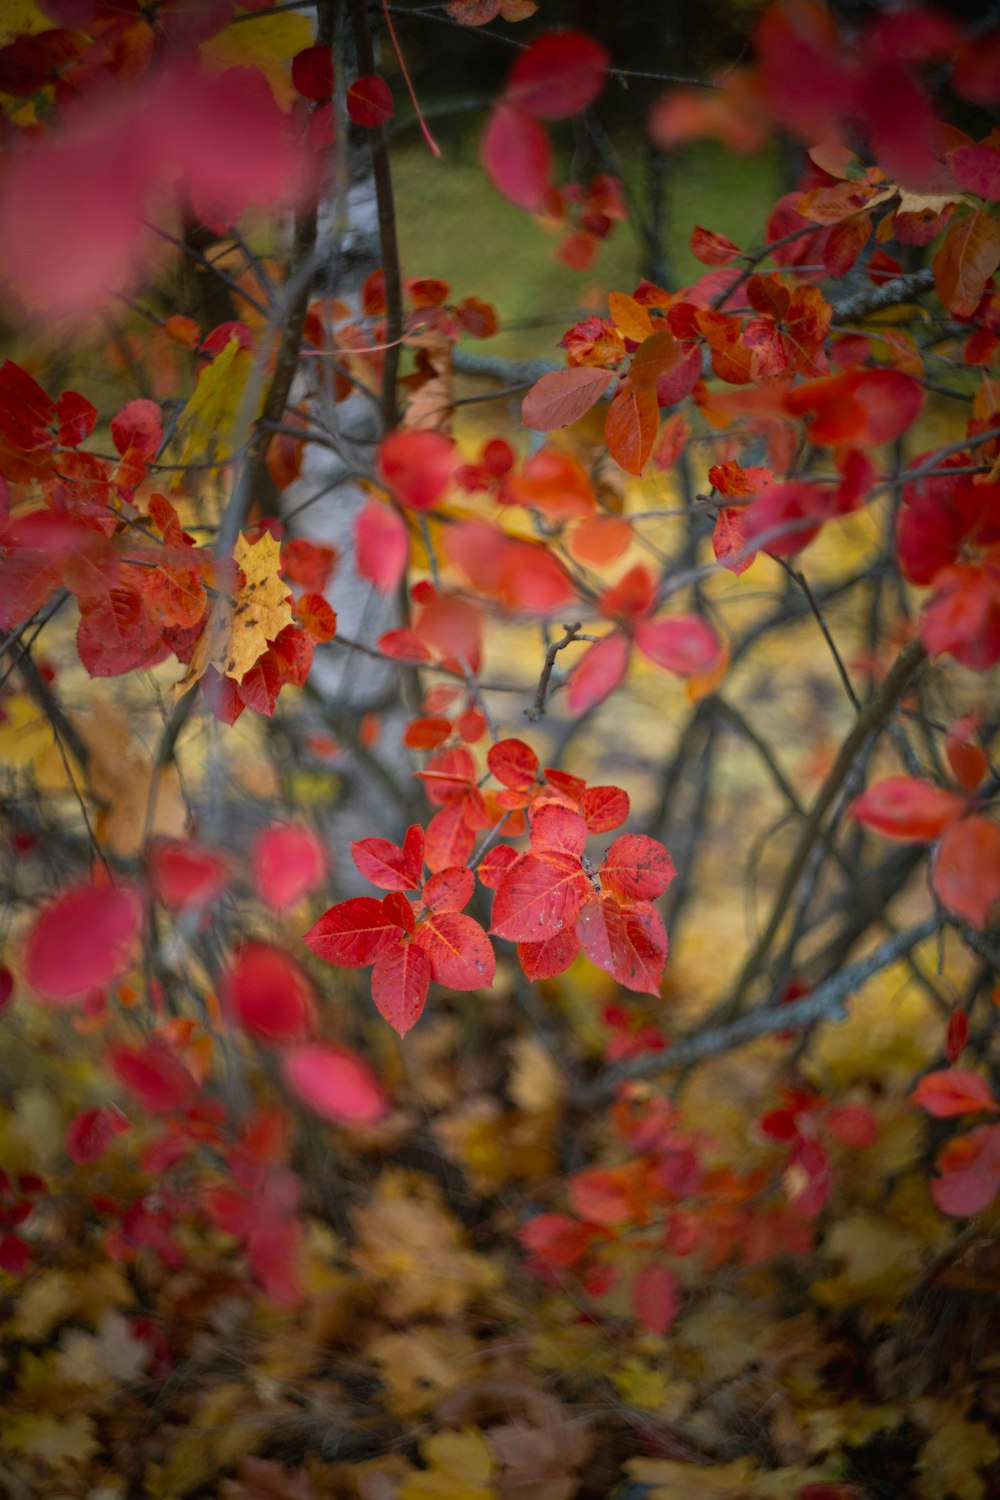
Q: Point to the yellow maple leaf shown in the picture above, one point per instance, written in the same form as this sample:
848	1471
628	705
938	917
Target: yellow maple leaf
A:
952	1459
205	426
59	1442
880	1263
668	1480
239	629
460	1467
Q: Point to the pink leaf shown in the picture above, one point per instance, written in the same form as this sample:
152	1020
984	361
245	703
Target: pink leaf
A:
970	1172
684	644
186	876
516	156
336	1083
90	1133
907	808
155	1075
954	1091
417	465
598	672
562	397
269	994
560	74
81	940
289	862
966	874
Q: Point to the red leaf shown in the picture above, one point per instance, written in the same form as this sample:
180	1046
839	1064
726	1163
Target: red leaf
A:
461	955
77	418
398	909
851	1124
560	74
26	412
449	889
336	1083
400	981
604	808
186	876
712	249
82	939
598	673
450	839
627	942
157	1078
684	644
631	426
967	760
259	687
957	1035
369	101
563	397
494	865
513	763
556	1239
417	465
905	807
90	1133
516	157
952	1091
269	993
965	261
312	73
288	863
317	617
352	934
656	1297
729	540
308	564
963	616
387	865
977	168
637	868
558	829
550	957
115	634
539	897
966	875
970	1172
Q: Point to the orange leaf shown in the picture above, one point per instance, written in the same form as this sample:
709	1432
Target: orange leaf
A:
965	262
631	427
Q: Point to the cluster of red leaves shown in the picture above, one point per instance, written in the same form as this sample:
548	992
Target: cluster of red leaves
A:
550	901
969	1165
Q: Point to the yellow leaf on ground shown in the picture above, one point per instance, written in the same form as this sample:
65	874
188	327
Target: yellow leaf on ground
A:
880	1263
460	1467
58	1442
953	1458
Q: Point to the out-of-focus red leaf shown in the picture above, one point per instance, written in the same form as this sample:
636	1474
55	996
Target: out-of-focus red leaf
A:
970	1172
967	759
417	465
155	1076
317	617
977	168
598	673
288	863
382	546
684	644
516	157
115	634
82	939
308	564
77	418
656	1297
966	874
560	74
90	1133
185	875
563	397
906	807
336	1083
269	993
312	73
963	616
957	1035
369	101
953	1091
